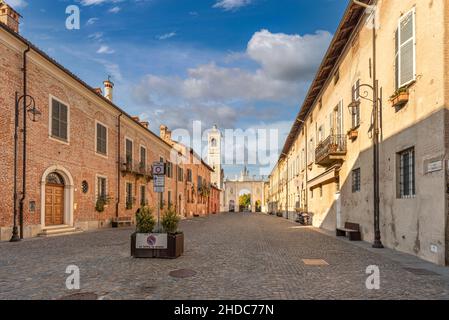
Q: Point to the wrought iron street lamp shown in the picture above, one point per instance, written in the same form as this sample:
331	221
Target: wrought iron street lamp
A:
30	110
375	89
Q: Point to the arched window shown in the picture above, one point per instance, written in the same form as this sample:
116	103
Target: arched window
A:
213	143
55	179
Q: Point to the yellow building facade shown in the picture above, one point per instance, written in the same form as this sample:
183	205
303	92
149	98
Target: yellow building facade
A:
326	167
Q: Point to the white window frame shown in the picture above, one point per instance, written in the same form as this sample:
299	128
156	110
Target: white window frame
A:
356	90
97	186
399	173
50	114
399	80
107	139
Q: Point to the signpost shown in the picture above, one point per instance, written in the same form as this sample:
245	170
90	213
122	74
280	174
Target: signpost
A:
159	187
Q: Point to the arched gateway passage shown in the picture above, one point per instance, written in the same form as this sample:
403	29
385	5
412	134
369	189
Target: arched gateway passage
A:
250	187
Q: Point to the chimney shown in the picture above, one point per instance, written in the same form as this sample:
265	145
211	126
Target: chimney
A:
136	119
145	124
98	91
108	89
165	134
9	16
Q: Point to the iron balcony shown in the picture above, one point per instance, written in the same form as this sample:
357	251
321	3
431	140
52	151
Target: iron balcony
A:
330	151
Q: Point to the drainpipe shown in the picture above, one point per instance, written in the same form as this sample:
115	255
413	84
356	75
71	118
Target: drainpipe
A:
176	184
24	164
15	233
306	151
119	139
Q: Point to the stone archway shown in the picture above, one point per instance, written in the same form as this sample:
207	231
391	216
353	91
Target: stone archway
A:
67	196
245	203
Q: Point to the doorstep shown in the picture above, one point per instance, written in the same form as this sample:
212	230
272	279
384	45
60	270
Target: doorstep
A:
63	230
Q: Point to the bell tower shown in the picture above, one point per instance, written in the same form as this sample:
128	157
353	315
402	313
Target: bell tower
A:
9	16
214	156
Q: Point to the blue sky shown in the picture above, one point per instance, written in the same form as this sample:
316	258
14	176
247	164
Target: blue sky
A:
236	63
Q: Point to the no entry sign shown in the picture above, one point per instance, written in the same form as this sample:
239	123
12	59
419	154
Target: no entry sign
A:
158	169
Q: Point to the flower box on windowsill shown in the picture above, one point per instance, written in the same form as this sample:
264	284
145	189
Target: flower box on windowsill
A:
353	134
400	99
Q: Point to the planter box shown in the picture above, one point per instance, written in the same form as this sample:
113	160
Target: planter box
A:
175	248
400	100
353	134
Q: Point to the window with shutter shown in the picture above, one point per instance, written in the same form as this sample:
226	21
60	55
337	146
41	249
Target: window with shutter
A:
406	50
143	157
59	120
129	151
143	196
355	111
101	139
129	195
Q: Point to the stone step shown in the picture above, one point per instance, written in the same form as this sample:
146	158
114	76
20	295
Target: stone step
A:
55	231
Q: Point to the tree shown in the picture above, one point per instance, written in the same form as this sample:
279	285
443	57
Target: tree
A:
245	200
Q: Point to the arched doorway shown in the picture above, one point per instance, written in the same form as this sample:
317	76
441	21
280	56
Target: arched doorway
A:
245	201
54	199
231	206
258	206
57	195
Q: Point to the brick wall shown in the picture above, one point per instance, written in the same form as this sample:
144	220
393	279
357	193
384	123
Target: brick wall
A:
76	158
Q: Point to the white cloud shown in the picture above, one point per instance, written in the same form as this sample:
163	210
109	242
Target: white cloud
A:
96	36
91	21
114	10
288	57
105	50
17	4
287	63
167	36
97	2
229	5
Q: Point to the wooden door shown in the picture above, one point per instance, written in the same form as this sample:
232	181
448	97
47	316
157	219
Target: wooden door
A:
54	205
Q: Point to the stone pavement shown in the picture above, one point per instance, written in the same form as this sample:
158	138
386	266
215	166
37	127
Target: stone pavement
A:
235	256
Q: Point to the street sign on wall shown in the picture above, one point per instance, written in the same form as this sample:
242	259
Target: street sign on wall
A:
158	189
159	181
159	169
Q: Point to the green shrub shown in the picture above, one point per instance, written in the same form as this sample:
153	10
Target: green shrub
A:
170	221
101	203
145	220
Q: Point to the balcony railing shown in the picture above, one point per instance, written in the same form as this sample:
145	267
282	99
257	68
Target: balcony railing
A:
135	167
331	150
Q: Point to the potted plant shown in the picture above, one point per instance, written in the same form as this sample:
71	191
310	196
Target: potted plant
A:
145	223
400	97
170	222
353	134
102	203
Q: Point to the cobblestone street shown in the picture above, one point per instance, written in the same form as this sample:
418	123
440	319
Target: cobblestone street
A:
235	256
